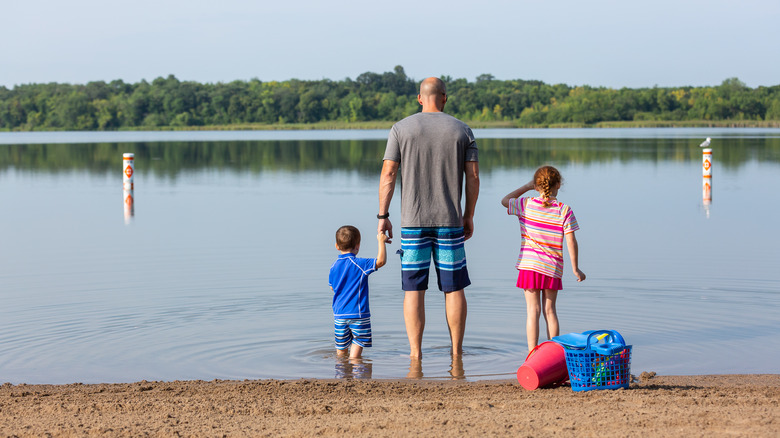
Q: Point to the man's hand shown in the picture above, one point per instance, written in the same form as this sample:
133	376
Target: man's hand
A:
472	193
386	189
468	227
385	227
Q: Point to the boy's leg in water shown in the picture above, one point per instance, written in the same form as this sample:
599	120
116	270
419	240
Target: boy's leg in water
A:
549	296
343	337
355	351
533	310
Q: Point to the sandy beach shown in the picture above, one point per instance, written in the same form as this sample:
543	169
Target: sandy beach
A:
723	405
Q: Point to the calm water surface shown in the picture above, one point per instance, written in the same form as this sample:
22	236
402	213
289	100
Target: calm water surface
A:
222	271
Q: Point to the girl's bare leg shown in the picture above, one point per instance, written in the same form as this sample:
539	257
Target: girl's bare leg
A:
533	310
549	297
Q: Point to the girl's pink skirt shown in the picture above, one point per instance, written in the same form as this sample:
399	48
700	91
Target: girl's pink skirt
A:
534	280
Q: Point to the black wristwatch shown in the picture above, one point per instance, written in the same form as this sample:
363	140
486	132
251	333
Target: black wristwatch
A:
383	216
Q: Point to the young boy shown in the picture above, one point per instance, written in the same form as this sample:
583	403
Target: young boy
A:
349	281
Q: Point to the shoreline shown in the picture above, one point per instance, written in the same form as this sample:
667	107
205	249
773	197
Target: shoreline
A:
474	124
711	405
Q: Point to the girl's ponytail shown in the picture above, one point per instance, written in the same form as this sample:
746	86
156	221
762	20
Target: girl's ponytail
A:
545	179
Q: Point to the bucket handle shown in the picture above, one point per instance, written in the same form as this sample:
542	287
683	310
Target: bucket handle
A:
615	344
613	336
533	351
601	334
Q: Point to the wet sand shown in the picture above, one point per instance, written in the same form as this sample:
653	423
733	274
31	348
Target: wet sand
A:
724	405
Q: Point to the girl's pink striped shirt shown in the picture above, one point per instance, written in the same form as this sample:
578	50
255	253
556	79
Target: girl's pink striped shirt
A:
542	230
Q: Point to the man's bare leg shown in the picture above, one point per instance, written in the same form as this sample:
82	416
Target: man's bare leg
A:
456	308
414	317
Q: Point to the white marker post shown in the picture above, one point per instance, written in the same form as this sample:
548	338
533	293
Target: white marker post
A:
707	178
128	168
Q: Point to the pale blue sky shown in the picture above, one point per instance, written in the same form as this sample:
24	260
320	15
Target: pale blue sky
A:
613	43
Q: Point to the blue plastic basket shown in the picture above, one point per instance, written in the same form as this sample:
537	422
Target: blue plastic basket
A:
599	365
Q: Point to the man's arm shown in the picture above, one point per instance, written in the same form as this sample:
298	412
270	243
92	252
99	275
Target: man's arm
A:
472	193
386	189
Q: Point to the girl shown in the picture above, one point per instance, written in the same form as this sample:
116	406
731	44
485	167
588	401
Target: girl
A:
544	222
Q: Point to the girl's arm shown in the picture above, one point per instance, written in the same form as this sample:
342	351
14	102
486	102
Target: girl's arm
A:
571	242
516	194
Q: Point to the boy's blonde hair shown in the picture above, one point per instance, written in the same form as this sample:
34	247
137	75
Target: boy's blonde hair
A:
545	180
347	238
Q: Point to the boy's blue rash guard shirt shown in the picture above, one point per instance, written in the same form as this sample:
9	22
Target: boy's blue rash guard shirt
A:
349	280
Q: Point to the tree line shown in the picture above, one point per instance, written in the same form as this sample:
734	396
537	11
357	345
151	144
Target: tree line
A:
172	103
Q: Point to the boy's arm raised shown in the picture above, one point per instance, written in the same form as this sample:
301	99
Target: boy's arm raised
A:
381	256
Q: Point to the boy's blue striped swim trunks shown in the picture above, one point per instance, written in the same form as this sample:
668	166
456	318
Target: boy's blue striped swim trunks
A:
356	330
445	244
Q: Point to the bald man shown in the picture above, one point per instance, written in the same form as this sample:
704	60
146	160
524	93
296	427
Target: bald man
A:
436	153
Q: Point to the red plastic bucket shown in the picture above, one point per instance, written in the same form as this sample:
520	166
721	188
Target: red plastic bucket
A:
545	365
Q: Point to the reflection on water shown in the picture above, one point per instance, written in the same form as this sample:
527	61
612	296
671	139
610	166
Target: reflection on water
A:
353	368
456	369
229	259
171	159
415	369
128	205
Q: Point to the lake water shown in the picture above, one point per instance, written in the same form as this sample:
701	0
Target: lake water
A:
222	271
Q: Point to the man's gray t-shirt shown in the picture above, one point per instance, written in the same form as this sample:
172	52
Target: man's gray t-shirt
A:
432	149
